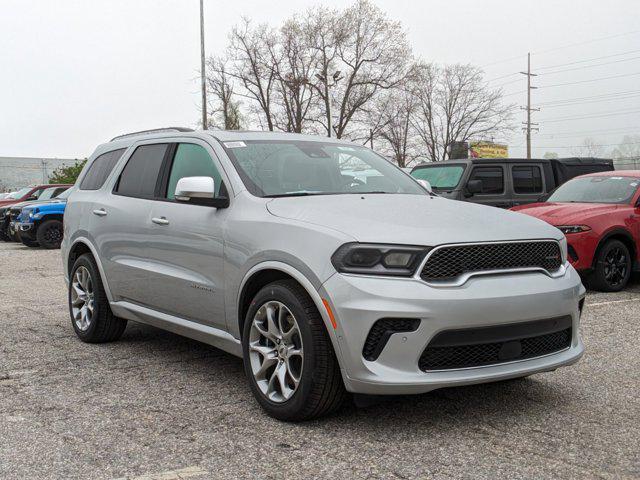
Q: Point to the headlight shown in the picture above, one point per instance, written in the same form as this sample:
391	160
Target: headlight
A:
573	228
563	249
376	259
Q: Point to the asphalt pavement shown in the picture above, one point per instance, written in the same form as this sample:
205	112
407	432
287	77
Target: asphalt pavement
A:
158	406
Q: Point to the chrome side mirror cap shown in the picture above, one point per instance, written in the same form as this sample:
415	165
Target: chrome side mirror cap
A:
426	185
195	187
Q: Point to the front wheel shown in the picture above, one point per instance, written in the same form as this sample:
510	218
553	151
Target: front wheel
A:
288	357
29	243
613	267
49	234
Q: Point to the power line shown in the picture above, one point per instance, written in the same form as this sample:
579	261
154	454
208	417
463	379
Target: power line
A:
589	132
602	95
590	66
587	102
600	145
587	41
588	60
591	80
609	114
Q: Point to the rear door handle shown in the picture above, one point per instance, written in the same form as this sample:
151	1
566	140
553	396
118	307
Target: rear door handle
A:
101	212
160	221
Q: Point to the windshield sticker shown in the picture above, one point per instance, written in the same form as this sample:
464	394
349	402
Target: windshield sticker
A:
235	144
347	149
634	184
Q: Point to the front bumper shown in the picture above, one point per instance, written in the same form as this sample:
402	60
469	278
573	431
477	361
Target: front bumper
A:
24	230
358	302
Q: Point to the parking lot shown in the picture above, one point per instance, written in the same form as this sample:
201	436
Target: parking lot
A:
158	406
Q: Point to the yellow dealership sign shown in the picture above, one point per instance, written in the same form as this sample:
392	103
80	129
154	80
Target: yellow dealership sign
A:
488	150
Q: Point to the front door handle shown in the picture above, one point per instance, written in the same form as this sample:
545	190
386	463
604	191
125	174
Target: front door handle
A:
101	212
160	221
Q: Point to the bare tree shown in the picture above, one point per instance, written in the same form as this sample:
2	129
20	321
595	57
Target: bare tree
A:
628	148
250	50
293	63
455	105
588	148
225	110
374	55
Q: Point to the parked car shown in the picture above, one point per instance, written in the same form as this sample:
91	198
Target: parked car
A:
26	194
504	182
40	224
600	216
10	212
258	243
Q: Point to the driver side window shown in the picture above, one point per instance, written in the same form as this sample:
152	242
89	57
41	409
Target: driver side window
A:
191	160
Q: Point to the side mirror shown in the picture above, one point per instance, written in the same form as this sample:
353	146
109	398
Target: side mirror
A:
473	187
426	185
199	191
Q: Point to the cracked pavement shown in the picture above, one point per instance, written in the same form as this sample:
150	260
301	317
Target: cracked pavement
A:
158	406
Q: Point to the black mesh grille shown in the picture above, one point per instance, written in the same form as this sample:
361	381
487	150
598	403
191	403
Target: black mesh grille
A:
464	356
448	263
382	330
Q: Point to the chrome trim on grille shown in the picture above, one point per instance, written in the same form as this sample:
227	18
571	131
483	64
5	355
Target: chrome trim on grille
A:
463	278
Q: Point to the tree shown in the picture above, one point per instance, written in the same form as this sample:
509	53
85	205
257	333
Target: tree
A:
628	148
225	111
455	105
67	174
588	148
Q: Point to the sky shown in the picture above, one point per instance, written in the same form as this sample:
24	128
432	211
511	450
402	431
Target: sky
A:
73	74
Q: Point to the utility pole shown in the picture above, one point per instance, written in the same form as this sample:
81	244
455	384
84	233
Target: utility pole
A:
202	72
528	124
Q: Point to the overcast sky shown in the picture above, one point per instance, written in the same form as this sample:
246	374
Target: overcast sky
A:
75	73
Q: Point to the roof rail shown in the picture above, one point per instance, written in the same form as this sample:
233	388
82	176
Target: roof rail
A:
153	130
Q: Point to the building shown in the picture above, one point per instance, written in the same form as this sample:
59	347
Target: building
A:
16	172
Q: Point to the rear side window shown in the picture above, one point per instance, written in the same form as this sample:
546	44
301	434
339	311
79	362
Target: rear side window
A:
140	175
191	160
492	179
527	179
100	169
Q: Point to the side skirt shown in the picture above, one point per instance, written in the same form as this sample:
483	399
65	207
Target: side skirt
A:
197	331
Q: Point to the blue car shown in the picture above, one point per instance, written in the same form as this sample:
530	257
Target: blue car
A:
40	224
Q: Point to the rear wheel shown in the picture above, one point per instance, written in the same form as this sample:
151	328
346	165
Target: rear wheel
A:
91	315
613	267
49	234
288	357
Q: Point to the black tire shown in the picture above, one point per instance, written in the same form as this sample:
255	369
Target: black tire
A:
3	234
29	243
320	390
104	325
612	268
49	234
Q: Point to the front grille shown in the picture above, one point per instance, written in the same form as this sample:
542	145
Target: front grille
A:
382	330
484	346
14	213
449	262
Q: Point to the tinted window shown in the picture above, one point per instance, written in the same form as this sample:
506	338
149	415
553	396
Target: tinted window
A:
140	174
100	169
444	177
598	189
527	179
191	160
491	177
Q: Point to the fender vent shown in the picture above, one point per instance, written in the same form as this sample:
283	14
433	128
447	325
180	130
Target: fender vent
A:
382	330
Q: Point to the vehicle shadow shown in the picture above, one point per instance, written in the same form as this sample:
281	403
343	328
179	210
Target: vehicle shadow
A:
481	408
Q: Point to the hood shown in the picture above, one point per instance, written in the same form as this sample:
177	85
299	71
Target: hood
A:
8	202
566	213
411	219
32	203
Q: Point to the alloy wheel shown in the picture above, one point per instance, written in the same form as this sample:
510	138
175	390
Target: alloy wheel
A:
276	351
82	298
615	266
53	235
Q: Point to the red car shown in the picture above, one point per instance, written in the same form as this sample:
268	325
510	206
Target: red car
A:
599	214
28	194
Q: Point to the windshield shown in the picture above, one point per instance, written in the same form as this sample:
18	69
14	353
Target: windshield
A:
441	176
291	168
48	193
64	195
20	193
596	190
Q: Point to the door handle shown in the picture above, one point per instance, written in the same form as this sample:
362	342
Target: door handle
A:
160	221
101	212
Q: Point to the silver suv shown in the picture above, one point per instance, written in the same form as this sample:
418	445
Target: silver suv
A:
322	265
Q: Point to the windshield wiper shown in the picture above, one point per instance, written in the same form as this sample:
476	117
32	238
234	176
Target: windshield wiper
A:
294	194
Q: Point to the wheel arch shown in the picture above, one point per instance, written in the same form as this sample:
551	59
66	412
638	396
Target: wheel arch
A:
622	235
267	272
51	216
79	247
